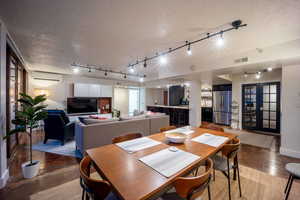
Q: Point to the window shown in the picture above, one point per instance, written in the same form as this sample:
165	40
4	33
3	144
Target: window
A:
134	100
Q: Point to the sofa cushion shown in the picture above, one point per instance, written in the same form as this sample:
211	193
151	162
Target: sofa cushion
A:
88	120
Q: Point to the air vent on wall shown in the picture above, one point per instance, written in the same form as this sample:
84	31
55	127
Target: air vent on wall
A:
241	60
44	76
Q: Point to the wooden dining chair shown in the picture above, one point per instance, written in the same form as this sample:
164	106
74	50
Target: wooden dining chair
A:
167	128
129	136
229	161
92	188
190	188
212	127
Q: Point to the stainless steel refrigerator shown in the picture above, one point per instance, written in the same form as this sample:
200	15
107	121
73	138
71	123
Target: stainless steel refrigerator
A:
222	107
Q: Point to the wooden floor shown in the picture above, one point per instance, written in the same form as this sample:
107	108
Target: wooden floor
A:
262	172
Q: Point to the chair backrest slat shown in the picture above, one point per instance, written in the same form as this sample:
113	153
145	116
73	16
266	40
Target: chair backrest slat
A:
193	187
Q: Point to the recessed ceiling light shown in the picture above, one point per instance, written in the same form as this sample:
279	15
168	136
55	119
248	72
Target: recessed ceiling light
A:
75	70
270	69
141	79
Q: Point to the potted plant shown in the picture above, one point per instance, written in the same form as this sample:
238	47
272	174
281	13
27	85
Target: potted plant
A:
32	111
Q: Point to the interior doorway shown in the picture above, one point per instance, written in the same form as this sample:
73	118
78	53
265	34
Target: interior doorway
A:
261	107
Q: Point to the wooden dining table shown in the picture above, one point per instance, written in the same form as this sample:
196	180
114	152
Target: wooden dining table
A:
131	179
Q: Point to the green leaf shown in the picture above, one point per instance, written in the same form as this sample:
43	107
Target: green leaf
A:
14	131
39	99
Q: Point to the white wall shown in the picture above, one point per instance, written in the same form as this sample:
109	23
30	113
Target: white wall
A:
154	94
290	131
121	98
238	80
59	91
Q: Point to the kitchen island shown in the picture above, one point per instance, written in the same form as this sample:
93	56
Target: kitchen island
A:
179	115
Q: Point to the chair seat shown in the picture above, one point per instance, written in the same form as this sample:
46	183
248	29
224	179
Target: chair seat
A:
220	163
293	169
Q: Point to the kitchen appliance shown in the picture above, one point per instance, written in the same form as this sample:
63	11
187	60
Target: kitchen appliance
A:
222	96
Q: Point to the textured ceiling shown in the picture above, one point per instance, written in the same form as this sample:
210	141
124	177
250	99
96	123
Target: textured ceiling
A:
51	34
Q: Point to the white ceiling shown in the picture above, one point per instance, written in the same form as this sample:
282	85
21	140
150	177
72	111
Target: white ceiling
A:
53	34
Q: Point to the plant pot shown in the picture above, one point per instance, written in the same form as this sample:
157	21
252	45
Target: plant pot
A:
30	171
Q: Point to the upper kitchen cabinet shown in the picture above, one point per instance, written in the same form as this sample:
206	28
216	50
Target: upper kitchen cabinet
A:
106	91
81	90
92	90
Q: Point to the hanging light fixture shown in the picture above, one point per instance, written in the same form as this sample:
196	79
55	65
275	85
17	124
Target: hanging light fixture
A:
163	59
220	40
131	69
125	76
105	73
189	51
76	70
258	75
145	62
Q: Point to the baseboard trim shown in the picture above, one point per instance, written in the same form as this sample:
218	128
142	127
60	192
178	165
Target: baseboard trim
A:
4	179
289	152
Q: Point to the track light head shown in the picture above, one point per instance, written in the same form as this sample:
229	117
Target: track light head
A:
131	70
125	76
163	59
105	73
145	62
236	24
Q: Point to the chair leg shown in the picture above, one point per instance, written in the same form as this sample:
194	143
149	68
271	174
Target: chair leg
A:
239	178
208	191
214	171
235	168
82	196
45	140
289	188
287	184
196	171
228	178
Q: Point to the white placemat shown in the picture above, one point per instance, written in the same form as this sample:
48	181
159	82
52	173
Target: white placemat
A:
185	130
167	162
132	146
210	139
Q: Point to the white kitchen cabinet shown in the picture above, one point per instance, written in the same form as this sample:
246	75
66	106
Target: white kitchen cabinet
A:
94	90
106	91
81	90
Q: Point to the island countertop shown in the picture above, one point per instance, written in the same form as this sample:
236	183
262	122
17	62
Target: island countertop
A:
186	107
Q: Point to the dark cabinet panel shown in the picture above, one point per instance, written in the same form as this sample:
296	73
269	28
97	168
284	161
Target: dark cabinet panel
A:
178	117
207	114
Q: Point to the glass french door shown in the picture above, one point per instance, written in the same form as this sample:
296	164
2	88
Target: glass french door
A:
16	83
261	107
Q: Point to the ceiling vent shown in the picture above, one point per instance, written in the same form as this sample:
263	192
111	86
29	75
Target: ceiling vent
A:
241	60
